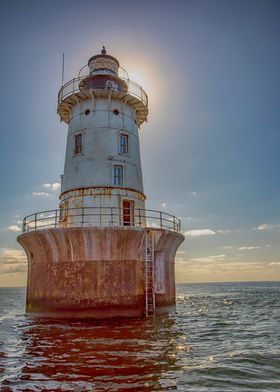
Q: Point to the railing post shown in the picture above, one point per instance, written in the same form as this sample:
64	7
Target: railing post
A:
55	222
35	220
174	223
160	218
100	219
24	225
140	222
120	216
83	214
112	216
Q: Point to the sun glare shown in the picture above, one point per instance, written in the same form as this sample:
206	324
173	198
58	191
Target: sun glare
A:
137	78
150	81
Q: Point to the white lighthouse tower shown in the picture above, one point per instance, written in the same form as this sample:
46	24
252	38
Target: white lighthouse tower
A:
102	254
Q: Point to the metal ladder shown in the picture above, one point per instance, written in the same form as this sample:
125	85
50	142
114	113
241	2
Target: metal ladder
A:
149	259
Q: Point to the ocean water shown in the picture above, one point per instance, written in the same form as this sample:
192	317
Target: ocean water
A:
220	337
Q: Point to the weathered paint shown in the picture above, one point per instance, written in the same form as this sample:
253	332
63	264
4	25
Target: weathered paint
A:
105	201
97	270
93	168
101	130
94	272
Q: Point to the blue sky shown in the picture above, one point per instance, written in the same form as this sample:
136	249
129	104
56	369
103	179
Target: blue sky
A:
210	147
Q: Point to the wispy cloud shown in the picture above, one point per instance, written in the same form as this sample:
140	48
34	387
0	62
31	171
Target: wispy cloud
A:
208	259
191	219
199	233
249	247
41	194
267	227
207	232
164	205
275	263
14	228
12	260
52	187
227	231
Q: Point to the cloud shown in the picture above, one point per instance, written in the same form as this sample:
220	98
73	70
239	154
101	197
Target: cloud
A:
275	263
52	187
14	228
208	259
10	256
199	233
164	205
191	219
248	247
267	227
227	231
41	194
193	193
12	261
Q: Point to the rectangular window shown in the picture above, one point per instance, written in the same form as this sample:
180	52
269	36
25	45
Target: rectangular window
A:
118	175
78	147
123	147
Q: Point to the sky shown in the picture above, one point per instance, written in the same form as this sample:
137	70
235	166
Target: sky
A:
210	148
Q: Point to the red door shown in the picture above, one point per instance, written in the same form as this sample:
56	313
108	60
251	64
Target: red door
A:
128	213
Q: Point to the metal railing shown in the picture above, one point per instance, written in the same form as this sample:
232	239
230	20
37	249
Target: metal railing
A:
100	216
80	84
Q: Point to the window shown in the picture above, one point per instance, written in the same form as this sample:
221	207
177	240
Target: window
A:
118	175
123	144
78	144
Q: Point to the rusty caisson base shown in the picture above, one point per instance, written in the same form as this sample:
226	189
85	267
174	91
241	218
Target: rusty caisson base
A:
96	272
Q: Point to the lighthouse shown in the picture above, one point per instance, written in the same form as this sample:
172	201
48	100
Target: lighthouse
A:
101	254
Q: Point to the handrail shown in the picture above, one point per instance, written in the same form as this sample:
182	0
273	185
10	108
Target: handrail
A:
100	216
73	86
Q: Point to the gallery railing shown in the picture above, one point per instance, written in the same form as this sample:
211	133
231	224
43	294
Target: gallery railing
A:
102	83
100	216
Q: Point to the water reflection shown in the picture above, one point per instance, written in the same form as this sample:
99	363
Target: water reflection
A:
123	355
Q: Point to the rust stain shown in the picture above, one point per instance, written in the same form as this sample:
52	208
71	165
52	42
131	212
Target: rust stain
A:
101	191
110	278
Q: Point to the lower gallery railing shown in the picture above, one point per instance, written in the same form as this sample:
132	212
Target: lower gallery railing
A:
100	216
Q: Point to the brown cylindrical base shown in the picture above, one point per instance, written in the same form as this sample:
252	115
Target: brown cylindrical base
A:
96	272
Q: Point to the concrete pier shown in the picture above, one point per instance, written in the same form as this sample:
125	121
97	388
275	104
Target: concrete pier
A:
96	272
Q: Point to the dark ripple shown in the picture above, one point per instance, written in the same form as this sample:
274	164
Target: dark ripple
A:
222	337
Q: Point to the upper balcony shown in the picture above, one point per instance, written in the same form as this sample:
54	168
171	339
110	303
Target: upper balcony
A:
101	217
102	86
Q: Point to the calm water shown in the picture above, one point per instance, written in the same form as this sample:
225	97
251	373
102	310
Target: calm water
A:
221	337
